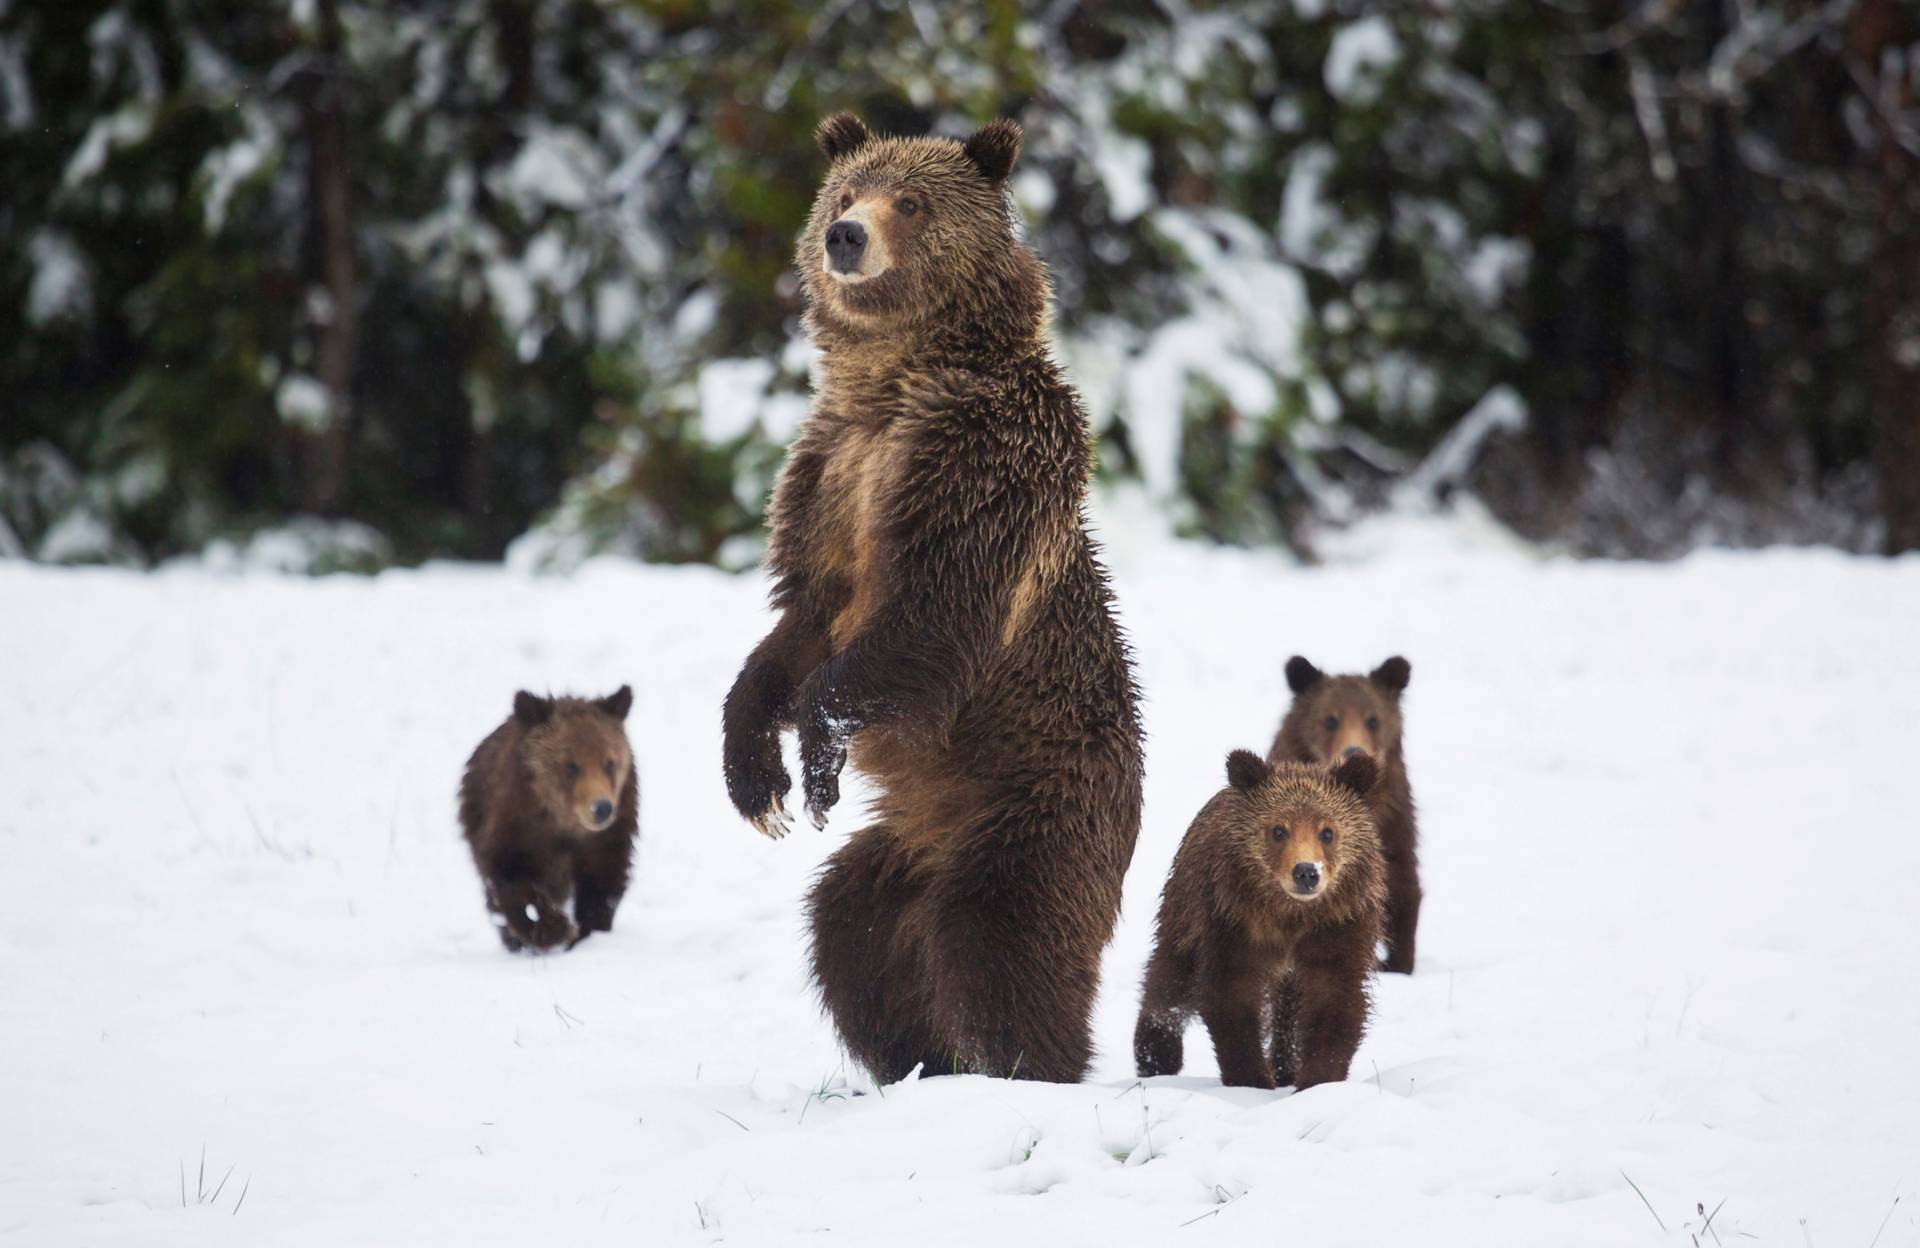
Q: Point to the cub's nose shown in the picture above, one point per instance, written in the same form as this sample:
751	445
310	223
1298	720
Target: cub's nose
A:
1306	876
602	810
846	243
1350	751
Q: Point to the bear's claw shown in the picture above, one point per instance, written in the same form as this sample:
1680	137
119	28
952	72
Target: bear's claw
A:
774	822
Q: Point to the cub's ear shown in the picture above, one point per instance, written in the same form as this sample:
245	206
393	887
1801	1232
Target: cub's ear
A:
993	149
530	709
617	703
1246	770
1393	674
1357	772
1302	675
841	135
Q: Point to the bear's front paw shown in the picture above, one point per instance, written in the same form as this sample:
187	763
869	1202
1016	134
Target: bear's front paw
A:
757	783
823	752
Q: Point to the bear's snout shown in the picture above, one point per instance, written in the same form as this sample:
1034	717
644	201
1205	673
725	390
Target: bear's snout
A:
602	812
846	243
1352	750
1306	877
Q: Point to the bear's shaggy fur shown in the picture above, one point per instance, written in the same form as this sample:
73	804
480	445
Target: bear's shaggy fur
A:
944	623
1267	926
549	805
1333	716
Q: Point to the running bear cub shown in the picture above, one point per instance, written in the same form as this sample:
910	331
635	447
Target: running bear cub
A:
1267	926
1333	717
549	806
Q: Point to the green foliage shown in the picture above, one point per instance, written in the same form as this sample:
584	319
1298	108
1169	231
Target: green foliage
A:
1293	246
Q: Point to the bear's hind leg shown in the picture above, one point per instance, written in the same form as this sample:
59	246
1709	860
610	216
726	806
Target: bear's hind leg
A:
1013	985
863	958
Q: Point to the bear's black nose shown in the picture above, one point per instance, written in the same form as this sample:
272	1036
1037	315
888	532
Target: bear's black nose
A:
1306	876
846	241
602	810
1351	750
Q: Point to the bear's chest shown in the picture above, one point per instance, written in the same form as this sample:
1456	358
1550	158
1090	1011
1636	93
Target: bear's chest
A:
859	482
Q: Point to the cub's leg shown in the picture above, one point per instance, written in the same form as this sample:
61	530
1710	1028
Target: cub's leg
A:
1233	1004
1403	915
530	899
1330	977
1165	1005
1285	1047
864	957
600	881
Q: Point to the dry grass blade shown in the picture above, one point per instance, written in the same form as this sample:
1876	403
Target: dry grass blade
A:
1884	1221
1643	1200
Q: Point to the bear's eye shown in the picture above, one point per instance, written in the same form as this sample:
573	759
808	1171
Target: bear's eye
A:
608	768
573	771
1330	722
1373	723
1326	836
907	205
1280	833
846	200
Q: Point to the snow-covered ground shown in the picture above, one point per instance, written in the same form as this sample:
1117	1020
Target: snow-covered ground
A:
1673	881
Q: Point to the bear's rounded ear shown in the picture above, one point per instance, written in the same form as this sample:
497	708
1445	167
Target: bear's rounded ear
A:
1393	674
1246	770
1302	675
841	134
1357	772
531	709
993	149
617	703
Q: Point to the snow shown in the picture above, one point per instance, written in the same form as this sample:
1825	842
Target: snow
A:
303	403
1359	54
60	286
1668	847
731	393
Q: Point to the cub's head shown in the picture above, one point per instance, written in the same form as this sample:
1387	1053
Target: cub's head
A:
1335	717
577	751
902	228
1302	824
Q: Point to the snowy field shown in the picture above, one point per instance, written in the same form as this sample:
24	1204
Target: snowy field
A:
1672	873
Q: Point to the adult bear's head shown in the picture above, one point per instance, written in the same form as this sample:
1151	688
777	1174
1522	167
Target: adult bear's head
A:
907	232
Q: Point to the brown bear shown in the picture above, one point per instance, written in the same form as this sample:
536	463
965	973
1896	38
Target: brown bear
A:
550	807
1267	926
1333	717
946	626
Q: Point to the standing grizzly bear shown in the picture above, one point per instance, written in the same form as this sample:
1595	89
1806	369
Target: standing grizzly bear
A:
944	623
1267	926
1334	717
549	804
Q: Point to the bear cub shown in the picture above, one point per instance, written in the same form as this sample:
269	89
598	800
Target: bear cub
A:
549	805
1335	717
1267	926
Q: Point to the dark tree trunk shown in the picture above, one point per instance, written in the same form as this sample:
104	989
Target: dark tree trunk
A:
1883	31
324	461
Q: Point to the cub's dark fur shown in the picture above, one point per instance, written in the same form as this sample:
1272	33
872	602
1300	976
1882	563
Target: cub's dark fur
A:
1331	717
946	626
1267	927
549	804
